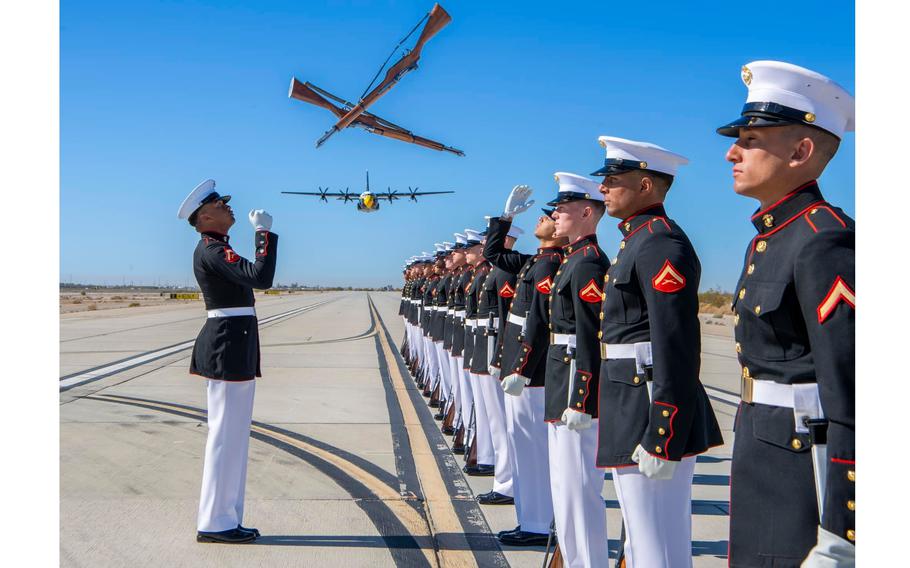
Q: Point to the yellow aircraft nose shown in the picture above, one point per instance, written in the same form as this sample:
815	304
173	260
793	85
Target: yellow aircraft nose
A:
368	201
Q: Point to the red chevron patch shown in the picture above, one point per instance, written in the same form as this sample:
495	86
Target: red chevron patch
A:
590	293
507	291
669	279
545	285
839	291
230	255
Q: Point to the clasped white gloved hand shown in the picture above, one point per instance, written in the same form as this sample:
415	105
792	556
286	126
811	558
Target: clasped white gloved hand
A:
260	220
518	201
831	551
652	467
514	384
576	420
495	372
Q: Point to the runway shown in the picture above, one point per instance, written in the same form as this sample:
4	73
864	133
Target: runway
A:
347	466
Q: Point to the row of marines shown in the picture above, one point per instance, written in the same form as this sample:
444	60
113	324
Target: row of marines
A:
568	359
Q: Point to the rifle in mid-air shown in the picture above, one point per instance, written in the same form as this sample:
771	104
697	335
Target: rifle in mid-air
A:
351	114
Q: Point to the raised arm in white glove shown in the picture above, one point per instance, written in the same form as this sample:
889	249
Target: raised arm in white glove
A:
514	384
831	551
518	201
653	467
576	420
260	220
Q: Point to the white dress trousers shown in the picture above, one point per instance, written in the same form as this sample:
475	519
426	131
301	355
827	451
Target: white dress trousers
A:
578	507
454	394
657	515
494	406
230	412
442	356
465	393
529	450
483	437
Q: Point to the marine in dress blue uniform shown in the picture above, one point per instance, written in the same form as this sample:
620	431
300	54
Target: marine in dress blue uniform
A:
226	353
655	415
572	375
522	357
793	474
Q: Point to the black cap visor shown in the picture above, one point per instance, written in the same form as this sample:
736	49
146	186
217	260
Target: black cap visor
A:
566	196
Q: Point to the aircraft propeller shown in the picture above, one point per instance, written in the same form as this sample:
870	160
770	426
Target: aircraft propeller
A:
413	196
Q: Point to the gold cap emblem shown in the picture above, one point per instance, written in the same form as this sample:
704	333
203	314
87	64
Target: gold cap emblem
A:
746	74
810	117
643	165
768	220
555	177
602	143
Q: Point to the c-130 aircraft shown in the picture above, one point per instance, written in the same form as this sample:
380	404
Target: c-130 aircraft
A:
367	202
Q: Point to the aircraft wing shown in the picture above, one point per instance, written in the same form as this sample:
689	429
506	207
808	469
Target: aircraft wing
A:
317	194
391	195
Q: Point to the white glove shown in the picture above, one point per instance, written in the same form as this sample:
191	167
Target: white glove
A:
260	220
576	420
518	201
831	551
652	467
514	384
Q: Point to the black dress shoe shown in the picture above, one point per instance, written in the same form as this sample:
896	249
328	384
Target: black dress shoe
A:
494	498
449	431
458	449
230	536
522	538
253	531
479	470
515	530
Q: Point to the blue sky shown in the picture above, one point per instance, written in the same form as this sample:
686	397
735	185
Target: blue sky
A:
157	96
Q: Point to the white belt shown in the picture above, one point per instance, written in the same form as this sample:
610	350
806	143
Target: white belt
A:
516	319
460	313
472	323
567	339
640	351
232	312
802	398
450	311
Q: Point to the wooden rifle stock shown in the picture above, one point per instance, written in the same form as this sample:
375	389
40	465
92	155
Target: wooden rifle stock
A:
556	560
449	420
302	92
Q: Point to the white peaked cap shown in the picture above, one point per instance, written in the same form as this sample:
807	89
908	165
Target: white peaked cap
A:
474	237
573	187
439	247
782	93
461	241
201	194
515	232
625	155
447	246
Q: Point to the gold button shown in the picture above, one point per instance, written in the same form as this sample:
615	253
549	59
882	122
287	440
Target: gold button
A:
628	226
578	404
768	220
742	293
602	296
607	278
615	259
746	374
813	212
584	379
657	449
761	246
622	245
600	335
517	369
566	359
568	249
796	444
851	475
550	325
810	118
661	431
581	391
526	349
636	380
739	347
757	310
851	535
851	504
601	316
665	413
735	319
558	272
751	269
565	260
